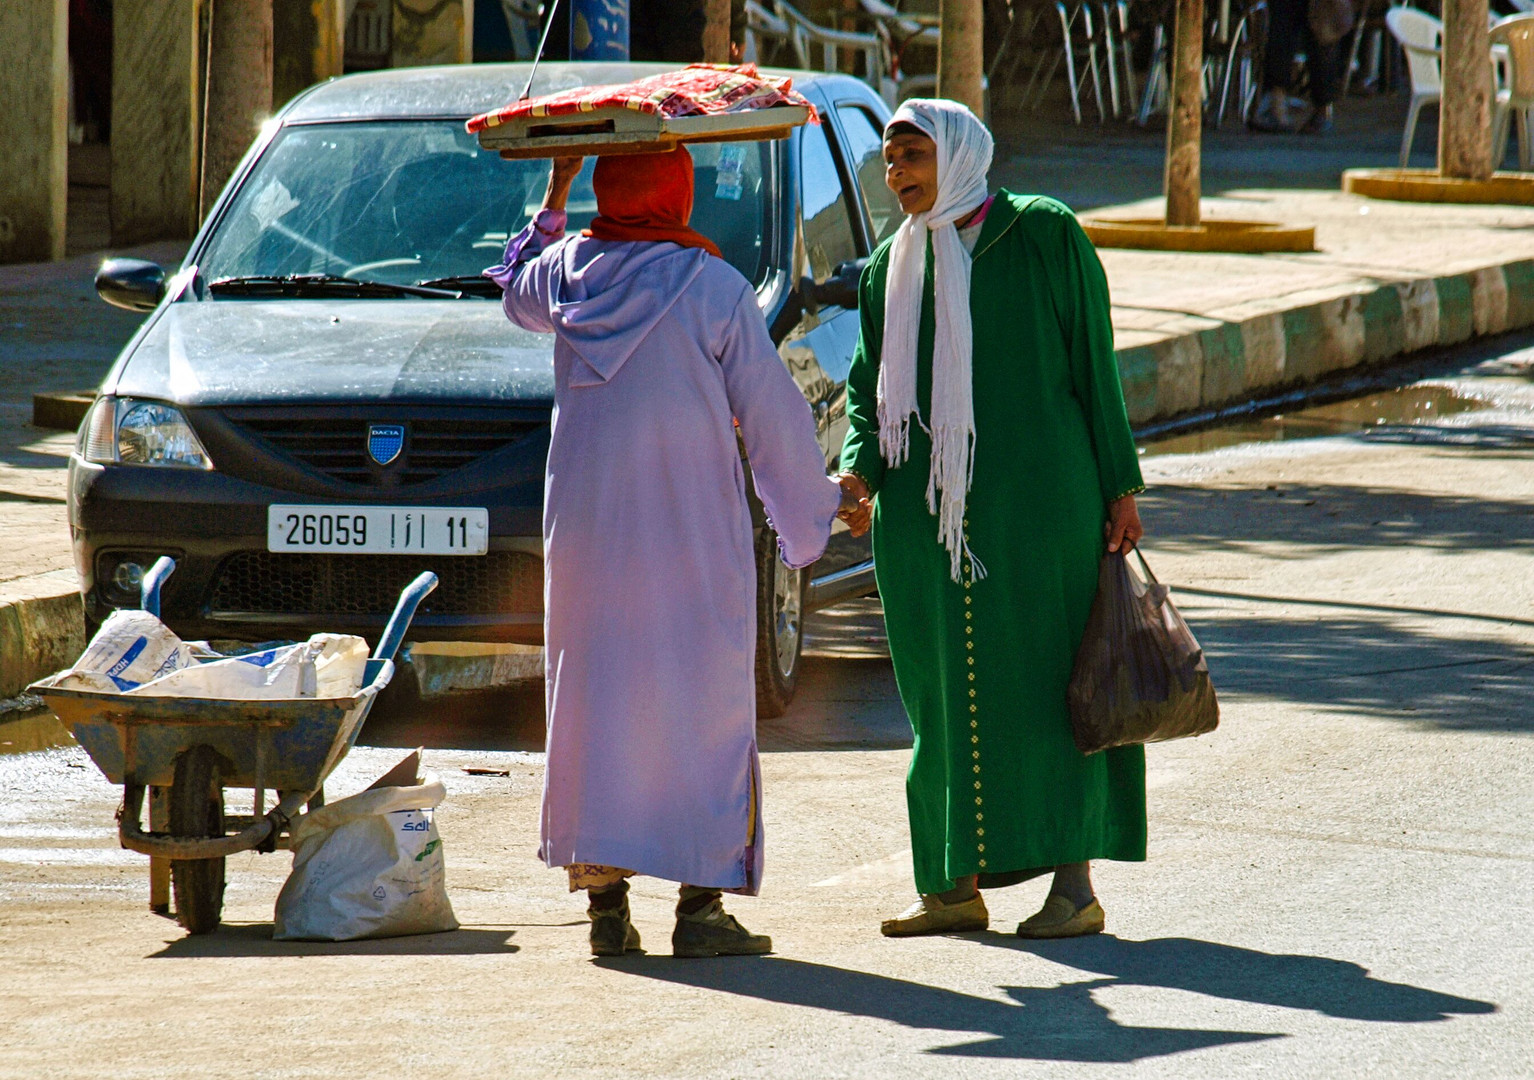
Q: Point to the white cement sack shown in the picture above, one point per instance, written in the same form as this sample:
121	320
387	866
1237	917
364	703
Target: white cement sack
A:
288	671
369	865
131	648
339	665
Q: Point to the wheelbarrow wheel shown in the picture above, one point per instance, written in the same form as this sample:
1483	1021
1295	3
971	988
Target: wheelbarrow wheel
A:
197	810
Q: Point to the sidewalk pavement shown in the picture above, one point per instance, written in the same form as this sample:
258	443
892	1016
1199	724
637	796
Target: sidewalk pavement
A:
1201	331
1195	331
1340	878
55	334
1198	331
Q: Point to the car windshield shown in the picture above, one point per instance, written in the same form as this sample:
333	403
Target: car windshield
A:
404	202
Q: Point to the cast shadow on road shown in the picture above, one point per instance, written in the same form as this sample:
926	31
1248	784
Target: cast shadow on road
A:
1301	521
23	446
255	939
846	700
1335	988
843	704
1066	1023
1359	662
1100	166
1063	1023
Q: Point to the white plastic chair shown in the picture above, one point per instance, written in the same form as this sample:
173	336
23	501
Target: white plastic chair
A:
1071	13
767	35
900	32
903	29
1516	97
816	46
1421	36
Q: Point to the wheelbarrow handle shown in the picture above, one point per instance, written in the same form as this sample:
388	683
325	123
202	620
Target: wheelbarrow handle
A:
404	611
163	567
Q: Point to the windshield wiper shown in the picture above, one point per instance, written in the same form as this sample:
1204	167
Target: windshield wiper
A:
469	284
325	284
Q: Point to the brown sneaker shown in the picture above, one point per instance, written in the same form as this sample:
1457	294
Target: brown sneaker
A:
1060	918
929	915
712	931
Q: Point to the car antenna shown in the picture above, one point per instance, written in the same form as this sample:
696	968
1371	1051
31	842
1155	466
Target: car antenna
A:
542	41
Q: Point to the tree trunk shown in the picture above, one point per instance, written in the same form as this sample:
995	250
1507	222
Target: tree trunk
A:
961	54
34	128
157	83
1464	132
239	89
1186	115
716	31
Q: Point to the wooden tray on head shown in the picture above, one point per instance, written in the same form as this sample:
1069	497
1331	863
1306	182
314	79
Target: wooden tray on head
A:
613	129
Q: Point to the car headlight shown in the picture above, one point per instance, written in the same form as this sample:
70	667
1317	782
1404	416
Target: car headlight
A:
121	430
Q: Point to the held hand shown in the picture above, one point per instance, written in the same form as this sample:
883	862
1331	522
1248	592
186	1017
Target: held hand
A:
561	177
856	509
1123	527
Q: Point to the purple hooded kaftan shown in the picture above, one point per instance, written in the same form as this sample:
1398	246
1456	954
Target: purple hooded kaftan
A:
649	576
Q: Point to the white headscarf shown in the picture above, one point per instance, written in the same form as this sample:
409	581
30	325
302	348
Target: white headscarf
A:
964	149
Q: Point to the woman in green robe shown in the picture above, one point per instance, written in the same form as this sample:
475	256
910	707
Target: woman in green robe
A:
987	583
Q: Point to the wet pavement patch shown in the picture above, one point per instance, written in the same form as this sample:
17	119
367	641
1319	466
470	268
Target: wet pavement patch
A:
1420	403
38	731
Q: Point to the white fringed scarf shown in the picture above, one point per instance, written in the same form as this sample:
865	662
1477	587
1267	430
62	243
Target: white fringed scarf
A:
964	149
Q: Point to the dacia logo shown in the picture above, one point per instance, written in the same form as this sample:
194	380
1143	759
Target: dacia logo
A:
385	441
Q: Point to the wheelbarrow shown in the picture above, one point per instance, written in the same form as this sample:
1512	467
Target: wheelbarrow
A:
186	751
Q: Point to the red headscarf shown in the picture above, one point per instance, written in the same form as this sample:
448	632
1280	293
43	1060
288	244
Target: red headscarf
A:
646	197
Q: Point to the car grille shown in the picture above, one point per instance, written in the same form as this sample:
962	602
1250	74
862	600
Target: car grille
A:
337	446
261	582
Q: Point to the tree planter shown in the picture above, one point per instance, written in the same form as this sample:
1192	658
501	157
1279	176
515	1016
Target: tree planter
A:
1427	185
1244	237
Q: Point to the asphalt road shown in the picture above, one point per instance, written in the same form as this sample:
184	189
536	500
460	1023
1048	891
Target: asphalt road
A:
1341	878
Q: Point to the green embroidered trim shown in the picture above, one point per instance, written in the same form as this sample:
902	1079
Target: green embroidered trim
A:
1128	491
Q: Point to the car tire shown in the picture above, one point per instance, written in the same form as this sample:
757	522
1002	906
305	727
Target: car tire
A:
779	628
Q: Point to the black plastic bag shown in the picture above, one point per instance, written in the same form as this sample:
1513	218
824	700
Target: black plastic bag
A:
1140	675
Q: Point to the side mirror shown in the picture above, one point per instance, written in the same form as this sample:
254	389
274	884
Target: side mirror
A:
841	288
131	283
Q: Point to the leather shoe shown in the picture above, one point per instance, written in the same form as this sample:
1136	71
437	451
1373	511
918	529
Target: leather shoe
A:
929	915
1059	918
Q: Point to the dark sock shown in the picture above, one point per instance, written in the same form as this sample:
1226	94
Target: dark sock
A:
1074	882
608	898
959	894
692	899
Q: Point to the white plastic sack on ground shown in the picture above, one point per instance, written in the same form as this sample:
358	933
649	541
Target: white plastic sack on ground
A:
288	671
369	865
130	649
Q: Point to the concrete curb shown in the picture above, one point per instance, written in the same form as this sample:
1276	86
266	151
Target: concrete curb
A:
42	628
1230	362
61	410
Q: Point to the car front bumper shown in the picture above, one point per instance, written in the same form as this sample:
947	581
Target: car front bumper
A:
227	585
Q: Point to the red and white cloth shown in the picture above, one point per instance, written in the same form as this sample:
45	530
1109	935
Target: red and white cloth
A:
696	90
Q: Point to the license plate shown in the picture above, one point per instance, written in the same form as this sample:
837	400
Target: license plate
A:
379	530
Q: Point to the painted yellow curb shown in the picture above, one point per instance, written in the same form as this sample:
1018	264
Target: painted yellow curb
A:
1425	185
1241	237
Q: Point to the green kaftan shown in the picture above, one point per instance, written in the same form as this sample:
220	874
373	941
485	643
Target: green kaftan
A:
996	786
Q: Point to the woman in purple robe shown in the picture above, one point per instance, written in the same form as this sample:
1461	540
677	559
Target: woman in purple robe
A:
650	622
